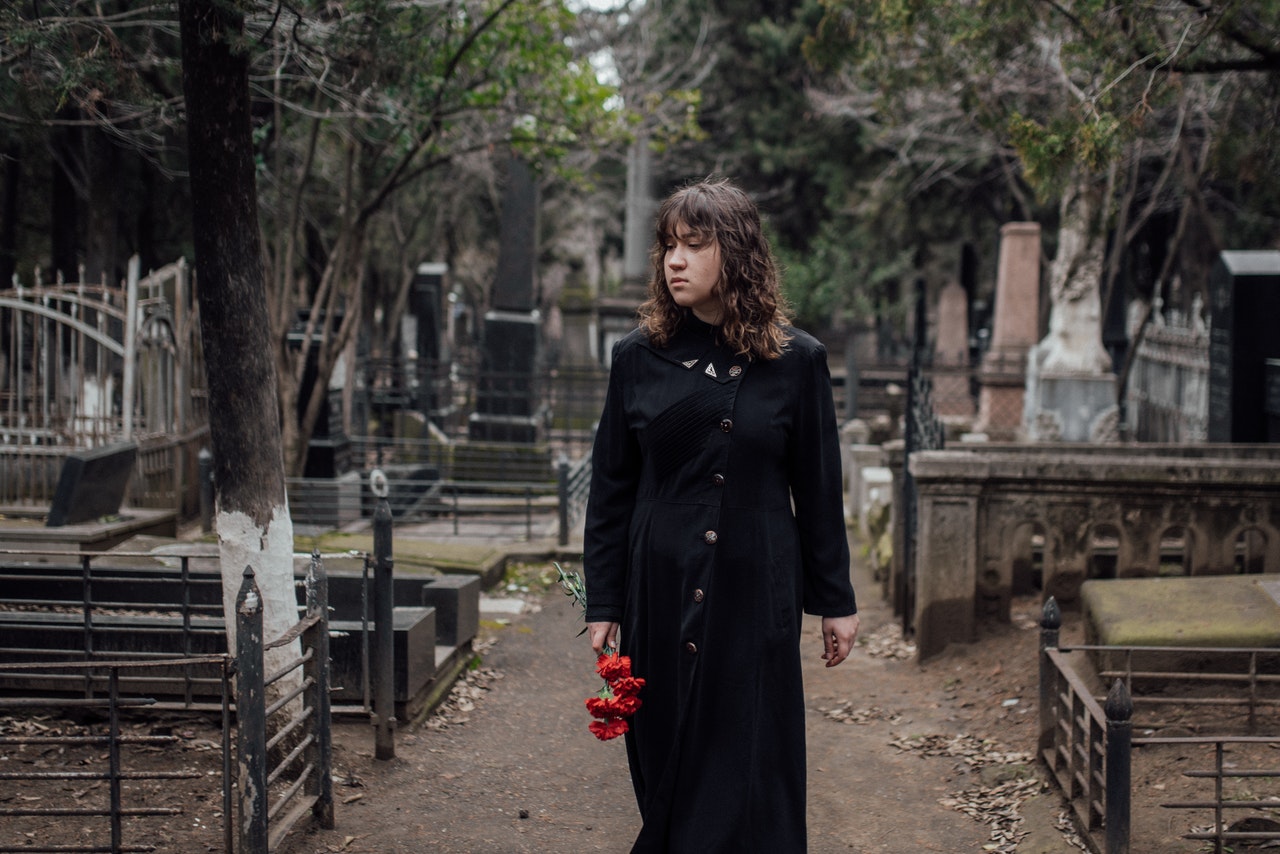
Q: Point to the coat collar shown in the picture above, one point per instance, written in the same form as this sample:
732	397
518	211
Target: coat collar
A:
696	347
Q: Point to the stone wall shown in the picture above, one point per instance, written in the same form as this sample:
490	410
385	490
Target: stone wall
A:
997	521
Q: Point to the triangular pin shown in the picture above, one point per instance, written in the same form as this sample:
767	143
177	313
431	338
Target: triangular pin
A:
711	370
690	363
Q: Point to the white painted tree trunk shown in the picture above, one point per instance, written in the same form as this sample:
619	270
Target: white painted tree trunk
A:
241	543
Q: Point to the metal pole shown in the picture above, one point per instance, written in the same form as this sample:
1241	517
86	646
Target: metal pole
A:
251	719
1050	623
205	465
384	635
1119	711
562	493
318	606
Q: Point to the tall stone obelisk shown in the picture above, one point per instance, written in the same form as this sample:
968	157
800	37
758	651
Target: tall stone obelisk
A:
508	405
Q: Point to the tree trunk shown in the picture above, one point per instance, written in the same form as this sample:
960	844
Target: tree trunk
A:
253	523
9	215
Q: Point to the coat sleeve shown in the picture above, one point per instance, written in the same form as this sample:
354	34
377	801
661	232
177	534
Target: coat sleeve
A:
818	493
615	474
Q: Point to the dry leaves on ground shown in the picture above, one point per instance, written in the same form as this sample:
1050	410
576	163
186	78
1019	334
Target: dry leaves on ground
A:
887	642
466	693
996	806
844	712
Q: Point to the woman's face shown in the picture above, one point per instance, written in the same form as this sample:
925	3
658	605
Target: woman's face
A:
692	264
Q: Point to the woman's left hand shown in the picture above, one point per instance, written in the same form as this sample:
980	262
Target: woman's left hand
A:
838	636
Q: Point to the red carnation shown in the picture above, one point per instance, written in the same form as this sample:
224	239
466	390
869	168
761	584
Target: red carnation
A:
612	666
609	728
627	686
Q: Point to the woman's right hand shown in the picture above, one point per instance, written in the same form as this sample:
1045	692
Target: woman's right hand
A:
603	635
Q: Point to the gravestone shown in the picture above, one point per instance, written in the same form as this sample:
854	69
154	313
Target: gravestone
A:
1271	400
951	395
1244	298
92	484
508	406
425	318
1015	330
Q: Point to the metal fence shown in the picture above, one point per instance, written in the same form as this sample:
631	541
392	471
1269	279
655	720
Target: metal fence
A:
105	756
277	714
1087	745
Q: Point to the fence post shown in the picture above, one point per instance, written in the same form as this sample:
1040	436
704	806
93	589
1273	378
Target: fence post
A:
251	719
562	494
1119	711
1050	623
205	475
384	635
318	606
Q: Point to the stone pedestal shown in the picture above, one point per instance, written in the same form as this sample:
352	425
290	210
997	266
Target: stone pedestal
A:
507	400
1072	408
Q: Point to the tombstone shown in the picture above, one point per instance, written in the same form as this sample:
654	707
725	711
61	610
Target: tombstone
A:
951	395
508	405
422	329
1271	399
1244	295
1015	330
92	484
329	448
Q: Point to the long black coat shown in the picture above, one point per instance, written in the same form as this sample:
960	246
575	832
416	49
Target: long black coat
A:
693	546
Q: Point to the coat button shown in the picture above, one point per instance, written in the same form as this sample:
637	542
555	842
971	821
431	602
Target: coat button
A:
710	538
726	424
698	595
691	648
717	479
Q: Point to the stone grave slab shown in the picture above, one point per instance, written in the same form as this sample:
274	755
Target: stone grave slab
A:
1206	610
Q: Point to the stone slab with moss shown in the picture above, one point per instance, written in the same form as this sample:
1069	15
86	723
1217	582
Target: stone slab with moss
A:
1206	611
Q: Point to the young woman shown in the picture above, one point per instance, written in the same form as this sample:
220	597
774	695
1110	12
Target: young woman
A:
715	518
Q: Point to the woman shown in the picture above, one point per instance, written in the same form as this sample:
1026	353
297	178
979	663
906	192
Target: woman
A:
718	422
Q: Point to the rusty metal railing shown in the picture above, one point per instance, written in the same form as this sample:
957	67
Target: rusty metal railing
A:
93	767
1087	744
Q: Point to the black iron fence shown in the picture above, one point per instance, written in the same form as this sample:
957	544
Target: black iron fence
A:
1086	742
282	757
100	757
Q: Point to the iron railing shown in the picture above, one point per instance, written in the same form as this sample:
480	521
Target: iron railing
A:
1087	745
283	713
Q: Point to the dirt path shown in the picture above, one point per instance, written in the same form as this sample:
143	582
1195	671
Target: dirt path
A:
515	769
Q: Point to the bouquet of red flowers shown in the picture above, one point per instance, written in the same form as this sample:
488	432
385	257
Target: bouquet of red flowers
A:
618	700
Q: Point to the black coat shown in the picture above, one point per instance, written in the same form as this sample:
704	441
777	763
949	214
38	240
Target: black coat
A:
693	546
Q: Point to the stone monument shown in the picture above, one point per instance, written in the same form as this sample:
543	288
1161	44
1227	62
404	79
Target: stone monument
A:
1244	297
618	313
508	407
951	397
1015	329
1071	386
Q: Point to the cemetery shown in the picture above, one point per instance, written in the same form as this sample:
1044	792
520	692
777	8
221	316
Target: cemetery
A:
307	316
1117	531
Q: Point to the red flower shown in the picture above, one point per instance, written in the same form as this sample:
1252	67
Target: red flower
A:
612	666
609	728
617	700
627	686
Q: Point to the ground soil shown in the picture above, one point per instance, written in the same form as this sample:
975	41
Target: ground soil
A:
902	757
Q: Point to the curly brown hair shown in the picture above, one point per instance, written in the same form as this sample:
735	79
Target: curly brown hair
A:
755	319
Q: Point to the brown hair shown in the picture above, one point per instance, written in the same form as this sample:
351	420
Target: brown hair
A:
754	308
